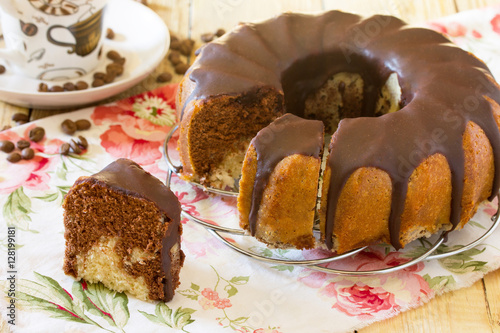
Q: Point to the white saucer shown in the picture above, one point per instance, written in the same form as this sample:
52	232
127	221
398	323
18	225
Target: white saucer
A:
141	37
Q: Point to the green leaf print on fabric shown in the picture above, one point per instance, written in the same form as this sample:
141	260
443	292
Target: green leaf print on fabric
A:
50	197
438	283
459	263
114	305
283	268
463	262
276	253
239	280
476	224
17	209
177	319
62	170
89	303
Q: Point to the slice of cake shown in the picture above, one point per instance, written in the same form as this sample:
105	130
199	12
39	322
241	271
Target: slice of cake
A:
279	182
122	228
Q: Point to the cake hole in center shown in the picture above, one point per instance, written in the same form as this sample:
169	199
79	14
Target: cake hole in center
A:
329	89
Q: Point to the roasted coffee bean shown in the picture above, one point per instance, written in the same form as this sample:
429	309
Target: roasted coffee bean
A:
220	32
7	146
99	75
68	126
14	157
186	47
113	55
69	86
98	82
82	142
110	34
2	69
114	69
175	58
164	77
21	144
75	147
119	61
64	149
36	134
81	85
56	88
175	45
42	87
109	77
181	68
173	38
20	117
27	153
173	54
82	124
207	37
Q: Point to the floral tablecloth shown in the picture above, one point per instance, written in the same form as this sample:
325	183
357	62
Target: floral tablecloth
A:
220	291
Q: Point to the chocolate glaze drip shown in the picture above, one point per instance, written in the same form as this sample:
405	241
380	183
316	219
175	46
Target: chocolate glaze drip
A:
286	136
128	177
294	54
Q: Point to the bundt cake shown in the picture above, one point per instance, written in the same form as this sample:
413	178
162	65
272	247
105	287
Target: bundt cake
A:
122	228
417	146
279	183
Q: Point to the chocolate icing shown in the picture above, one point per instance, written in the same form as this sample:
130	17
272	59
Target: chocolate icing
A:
128	177
287	135
294	54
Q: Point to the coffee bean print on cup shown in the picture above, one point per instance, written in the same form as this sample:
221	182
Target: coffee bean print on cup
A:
56	8
29	29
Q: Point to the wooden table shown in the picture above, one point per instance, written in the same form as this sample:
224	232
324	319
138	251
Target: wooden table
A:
473	309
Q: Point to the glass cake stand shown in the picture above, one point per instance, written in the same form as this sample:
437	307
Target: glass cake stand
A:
218	231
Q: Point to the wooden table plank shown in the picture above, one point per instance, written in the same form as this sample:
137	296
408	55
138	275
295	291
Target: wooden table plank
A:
471	4
492	295
208	16
408	10
464	310
6	113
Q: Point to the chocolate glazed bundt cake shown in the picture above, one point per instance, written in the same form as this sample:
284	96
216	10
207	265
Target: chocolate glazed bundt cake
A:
417	146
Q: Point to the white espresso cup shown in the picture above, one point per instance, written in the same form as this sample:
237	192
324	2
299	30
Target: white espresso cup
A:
52	39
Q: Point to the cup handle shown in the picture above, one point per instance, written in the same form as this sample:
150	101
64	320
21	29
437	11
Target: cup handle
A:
55	42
